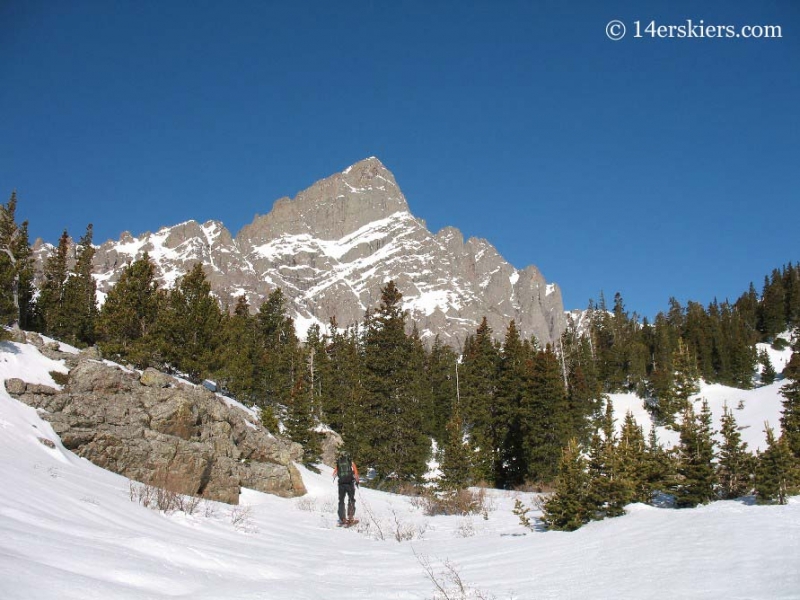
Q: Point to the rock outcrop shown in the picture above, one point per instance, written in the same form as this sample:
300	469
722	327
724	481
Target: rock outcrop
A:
157	430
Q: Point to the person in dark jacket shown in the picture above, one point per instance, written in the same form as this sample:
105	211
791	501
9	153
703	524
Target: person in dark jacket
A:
347	472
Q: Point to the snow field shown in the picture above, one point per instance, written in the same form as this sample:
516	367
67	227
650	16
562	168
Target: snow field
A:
69	530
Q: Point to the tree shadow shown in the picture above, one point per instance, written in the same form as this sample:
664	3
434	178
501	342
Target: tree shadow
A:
9	347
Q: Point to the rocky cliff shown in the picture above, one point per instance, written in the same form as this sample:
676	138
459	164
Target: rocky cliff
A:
158	430
334	246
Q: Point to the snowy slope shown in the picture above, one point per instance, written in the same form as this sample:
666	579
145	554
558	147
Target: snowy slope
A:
68	530
751	408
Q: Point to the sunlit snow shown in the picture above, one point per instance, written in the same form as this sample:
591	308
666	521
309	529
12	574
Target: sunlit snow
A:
69	530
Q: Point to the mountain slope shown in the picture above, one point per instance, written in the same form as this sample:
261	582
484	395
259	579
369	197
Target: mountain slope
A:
69	530
332	248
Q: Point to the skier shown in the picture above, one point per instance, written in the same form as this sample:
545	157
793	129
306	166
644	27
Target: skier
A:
347	472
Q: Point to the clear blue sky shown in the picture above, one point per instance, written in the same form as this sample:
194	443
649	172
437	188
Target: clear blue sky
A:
649	167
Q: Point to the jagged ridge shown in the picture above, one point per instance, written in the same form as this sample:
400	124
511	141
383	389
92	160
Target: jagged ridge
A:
334	246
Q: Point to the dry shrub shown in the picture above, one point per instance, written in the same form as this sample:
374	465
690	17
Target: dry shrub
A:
59	377
455	502
165	500
535	487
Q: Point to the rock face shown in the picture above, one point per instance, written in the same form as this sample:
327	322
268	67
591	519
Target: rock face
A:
156	430
334	246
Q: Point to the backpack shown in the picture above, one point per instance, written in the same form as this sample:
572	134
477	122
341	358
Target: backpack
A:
344	469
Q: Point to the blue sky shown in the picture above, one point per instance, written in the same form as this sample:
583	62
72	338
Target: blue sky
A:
649	167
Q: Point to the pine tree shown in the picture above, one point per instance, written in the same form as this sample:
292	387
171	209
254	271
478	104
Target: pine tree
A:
696	477
672	390
791	287
479	393
80	296
456	465
633	459
239	353
343	403
735	465
772	314
790	416
768	373
441	381
189	326
512	407
658	468
300	421
776	471
567	508
685	383
16	268
55	320
127	321
609	490
276	374
545	418
397	445
318	367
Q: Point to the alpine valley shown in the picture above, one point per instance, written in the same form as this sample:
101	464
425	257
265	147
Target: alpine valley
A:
331	249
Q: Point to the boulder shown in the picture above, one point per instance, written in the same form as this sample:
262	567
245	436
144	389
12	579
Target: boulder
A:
95	376
15	386
153	429
156	379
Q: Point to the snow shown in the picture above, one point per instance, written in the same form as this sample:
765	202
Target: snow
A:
69	530
751	408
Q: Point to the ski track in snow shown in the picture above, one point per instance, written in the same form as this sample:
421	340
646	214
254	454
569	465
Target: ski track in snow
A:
68	530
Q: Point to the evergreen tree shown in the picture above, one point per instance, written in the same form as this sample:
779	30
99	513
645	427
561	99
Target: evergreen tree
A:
791	287
735	464
609	490
55	319
658	468
16	268
671	391
300	421
747	307
481	412
276	376
790	416
768	373
441	380
545	417
456	465
633	460
239	353
80	296
776	471
772	314
127	321
189	326
696	478
685	382
343	398
512	406
397	445
568	508
318	367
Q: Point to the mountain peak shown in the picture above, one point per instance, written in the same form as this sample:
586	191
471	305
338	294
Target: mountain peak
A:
335	206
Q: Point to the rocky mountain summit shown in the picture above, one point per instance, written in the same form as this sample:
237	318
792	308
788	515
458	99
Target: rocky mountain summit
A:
331	249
